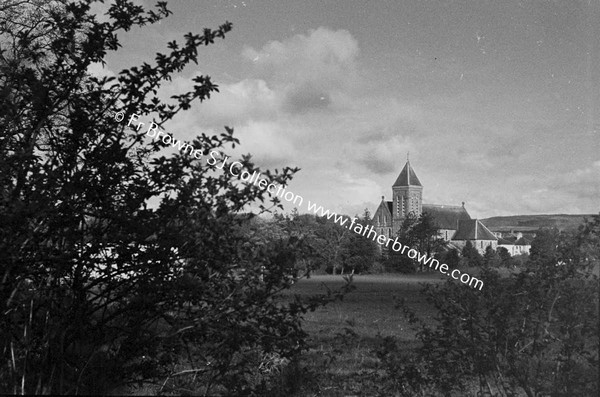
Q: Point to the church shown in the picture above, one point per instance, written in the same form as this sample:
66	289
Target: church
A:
455	224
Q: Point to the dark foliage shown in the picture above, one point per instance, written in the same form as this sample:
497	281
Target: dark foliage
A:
329	246
419	233
359	252
450	257
535	332
505	258
98	289
491	257
470	255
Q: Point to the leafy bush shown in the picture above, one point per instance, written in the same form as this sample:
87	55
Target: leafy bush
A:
100	291
534	332
398	263
407	374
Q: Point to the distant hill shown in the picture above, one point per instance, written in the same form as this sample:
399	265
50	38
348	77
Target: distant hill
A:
560	221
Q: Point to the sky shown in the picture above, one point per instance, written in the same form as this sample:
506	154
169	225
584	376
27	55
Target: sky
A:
497	102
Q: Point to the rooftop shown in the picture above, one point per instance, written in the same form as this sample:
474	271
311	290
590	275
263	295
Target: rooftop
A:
473	229
447	216
407	177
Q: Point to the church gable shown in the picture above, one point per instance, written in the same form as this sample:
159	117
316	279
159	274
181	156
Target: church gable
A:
383	215
383	219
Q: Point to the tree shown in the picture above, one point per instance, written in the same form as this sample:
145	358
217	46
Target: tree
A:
451	258
395	261
359	252
426	234
544	246
490	257
331	246
98	288
505	257
332	237
366	217
306	228
420	233
471	256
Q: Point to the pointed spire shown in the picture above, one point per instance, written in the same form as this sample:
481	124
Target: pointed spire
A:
407	177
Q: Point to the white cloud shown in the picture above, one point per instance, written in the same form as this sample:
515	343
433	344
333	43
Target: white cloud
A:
309	69
267	142
238	102
98	70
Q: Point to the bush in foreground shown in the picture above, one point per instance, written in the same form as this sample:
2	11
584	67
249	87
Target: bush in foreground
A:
535	332
99	290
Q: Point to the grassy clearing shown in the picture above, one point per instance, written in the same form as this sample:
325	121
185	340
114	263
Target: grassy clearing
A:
343	335
370	307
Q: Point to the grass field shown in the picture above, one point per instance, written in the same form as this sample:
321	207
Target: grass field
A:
370	307
343	335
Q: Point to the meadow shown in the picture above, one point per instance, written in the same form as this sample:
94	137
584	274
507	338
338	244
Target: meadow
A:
344	335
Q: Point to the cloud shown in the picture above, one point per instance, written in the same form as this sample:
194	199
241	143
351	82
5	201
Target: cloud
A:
267	143
307	98
243	100
308	69
580	184
387	155
303	105
98	70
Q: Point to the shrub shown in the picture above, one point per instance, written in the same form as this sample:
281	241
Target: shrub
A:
534	332
98	289
398	263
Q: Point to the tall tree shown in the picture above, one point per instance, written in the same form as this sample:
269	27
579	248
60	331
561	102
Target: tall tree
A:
359	252
420	233
490	257
506	259
471	256
427	235
544	247
332	237
98	288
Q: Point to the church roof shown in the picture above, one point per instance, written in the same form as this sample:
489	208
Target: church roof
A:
473	229
407	177
447	216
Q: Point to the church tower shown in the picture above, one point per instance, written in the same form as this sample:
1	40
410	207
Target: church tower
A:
407	194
